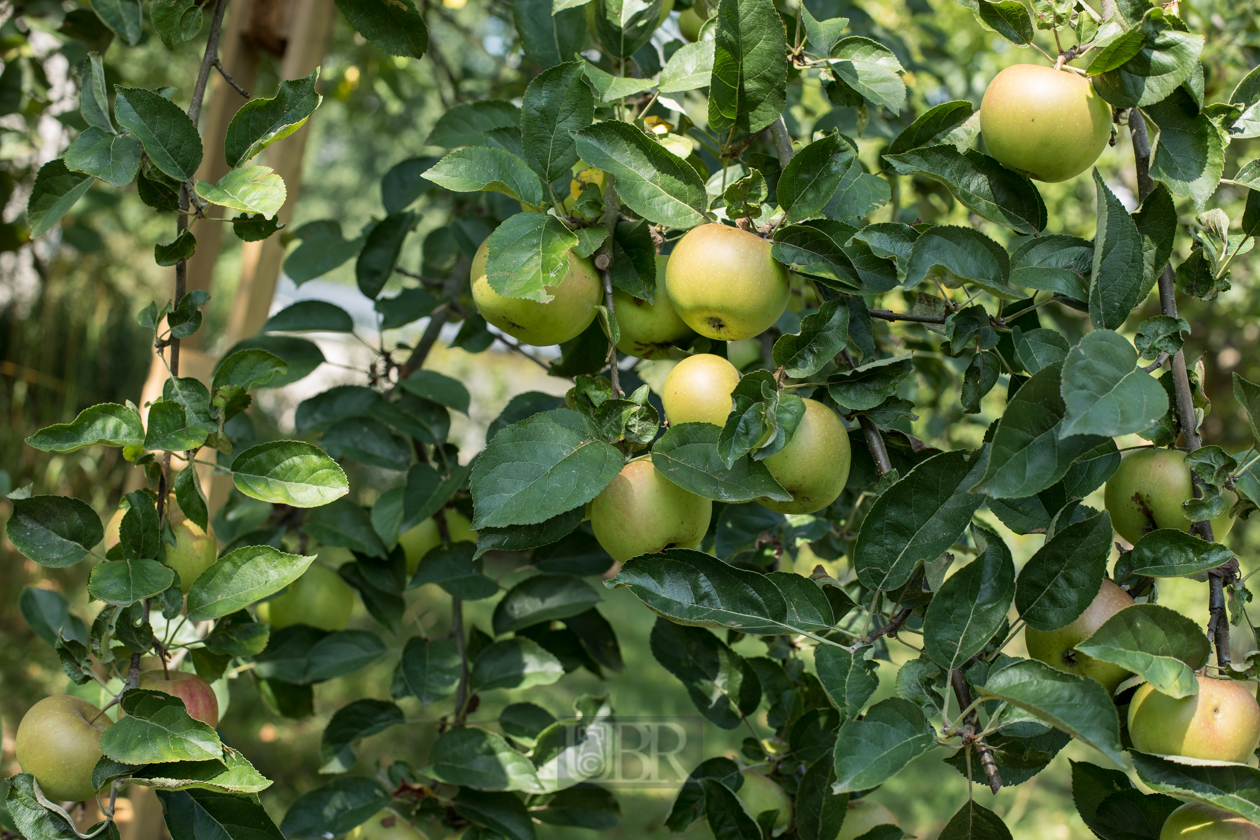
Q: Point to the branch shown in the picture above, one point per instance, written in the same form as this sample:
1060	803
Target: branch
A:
782	142
227	77
887	315
603	262
874	439
987	762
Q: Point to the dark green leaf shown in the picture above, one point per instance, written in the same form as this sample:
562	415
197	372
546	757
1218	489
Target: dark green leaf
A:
395	27
108	424
55	191
1064	576
261	122
653	182
720	682
1162	646
1104	392
518	663
688	456
54	531
169	137
241	577
289	472
874	749
971	605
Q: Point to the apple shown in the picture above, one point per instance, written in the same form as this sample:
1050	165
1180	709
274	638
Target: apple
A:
643	512
814	465
649	330
744	353
760	793
724	283
862	816
319	598
387	825
1196	821
569	312
1057	648
689	24
423	538
113	529
58	742
198	696
194	551
698	390
1220	723
1146	493
1050	124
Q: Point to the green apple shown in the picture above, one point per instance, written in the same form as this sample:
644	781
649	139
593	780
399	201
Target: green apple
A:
199	698
814	465
689	23
569	312
698	390
1057	648
760	793
643	512
863	815
1196	821
319	598
724	283
649	330
387	825
1220	723
194	551
58	742
1146	493
423	538
744	353
1050	124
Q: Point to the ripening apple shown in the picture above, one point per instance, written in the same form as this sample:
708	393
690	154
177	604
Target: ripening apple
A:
570	310
643	512
1220	723
690	23
760	793
1050	124
649	330
113	529
319	598
1146	493
863	815
814	465
1057	648
1196	821
194	551
58	742
698	390
423	538
387	825
198	696
724	283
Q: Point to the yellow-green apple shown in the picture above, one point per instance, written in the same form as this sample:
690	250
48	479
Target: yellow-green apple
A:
863	815
1146	493
743	353
198	696
425	537
1196	821
1050	124
319	598
760	793
1057	648
387	825
194	551
1220	723
570	310
643	512
113	529
58	742
698	390
689	23
814	465
724	283
648	330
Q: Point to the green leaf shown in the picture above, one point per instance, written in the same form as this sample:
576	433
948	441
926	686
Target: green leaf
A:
1156	220
867	386
54	531
125	18
1062	579
812	177
1118	272
176	21
809	250
1007	18
872	750
1037	350
261	122
107	424
953	256
468	123
157	729
688	456
381	249
1054	263
1189	156
721	683
55	191
231	774
1168	552
542	598
345	524
1104	391
543	466
323	249
1077	705
350	724
1234	788
170	139
250	189
289	472
503	814
1245	392
429	670
1158	69
870	69
625	26
557	103
1162	334
395	27
528	253
177	250
848	678
976	822
475	758
918	518
823	334
94	94
124	582
484	168
971	605
309	316
241	577
517	663
549	38
1162	646
304	655
688	69
102	154
930	125
452	567
652	181
334	809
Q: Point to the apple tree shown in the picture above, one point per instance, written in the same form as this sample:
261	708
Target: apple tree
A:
767	203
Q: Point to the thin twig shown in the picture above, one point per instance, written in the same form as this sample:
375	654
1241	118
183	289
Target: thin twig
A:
970	728
874	440
782	142
887	315
227	77
1158	363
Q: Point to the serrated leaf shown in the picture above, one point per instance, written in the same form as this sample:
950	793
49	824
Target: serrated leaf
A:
55	191
112	158
528	253
395	27
106	424
970	605
874	749
289	472
1162	646
475	758
1189	155
157	729
241	577
953	256
169	137
653	182
1103	390
517	663
1063	577
870	69
261	122
249	189
54	531
477	168
688	455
